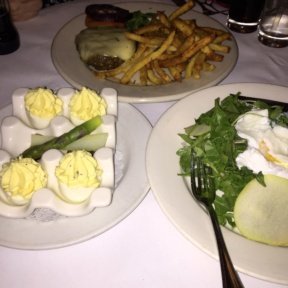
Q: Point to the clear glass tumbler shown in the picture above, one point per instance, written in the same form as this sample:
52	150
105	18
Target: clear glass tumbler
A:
273	26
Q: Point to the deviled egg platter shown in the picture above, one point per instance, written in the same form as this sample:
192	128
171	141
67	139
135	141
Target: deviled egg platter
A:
57	151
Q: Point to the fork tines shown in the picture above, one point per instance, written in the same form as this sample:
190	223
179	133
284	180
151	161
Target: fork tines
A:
202	183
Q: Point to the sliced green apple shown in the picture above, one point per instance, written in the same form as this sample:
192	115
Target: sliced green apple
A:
261	213
90	142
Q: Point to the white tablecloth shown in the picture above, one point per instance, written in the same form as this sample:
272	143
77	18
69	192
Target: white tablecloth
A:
145	249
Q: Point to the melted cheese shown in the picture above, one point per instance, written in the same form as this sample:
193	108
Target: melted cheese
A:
105	42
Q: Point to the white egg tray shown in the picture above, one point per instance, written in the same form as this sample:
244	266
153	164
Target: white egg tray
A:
16	132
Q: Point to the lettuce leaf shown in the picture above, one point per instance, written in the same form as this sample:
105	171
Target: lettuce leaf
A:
215	139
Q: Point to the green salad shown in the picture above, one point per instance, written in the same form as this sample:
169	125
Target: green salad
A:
215	139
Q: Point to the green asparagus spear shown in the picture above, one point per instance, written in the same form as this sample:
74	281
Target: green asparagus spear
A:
90	142
62	141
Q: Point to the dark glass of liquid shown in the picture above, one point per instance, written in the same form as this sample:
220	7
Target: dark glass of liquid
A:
9	37
244	15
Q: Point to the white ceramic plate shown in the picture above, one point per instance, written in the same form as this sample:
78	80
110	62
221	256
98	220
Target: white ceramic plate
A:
66	60
47	231
162	163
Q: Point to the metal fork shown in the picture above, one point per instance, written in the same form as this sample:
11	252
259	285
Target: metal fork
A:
206	6
203	190
211	10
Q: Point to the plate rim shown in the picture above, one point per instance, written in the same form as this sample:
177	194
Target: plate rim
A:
130	98
168	206
120	215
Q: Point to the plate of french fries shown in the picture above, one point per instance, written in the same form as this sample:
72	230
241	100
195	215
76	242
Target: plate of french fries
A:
180	51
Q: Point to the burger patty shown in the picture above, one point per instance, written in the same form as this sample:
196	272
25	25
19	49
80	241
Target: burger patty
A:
104	49
107	12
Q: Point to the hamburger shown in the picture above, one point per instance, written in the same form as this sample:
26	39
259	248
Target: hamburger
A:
103	45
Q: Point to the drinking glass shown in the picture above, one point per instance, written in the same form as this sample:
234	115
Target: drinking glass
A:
9	37
244	15
273	26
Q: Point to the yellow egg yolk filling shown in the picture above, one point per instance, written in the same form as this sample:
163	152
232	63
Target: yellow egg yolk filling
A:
86	104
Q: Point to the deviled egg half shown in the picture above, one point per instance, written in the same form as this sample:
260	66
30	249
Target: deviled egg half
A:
41	105
69	178
71	184
76	104
78	173
19	179
38	107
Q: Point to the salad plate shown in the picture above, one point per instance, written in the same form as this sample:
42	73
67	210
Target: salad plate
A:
67	62
45	229
162	164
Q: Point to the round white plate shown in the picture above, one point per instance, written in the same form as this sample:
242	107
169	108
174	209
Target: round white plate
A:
162	164
132	186
66	60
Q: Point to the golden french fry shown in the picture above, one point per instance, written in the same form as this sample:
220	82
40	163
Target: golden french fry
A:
163	19
109	73
177	42
166	55
181	67
208	66
201	33
143	76
192	23
189	41
143	39
153	77
207	50
163	75
200	59
217	32
196	74
222	38
175	73
181	10
215	57
140	50
194	67
219	48
148	29
188	53
197	46
189	67
182	26
170	49
124	67
147	59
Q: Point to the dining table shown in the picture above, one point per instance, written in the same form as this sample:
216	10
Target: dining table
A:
144	248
